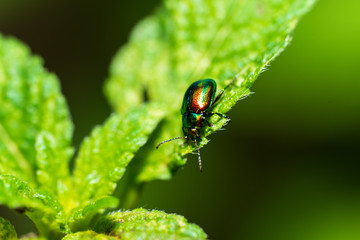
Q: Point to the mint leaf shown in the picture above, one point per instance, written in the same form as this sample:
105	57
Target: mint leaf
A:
53	170
230	41
30	102
7	230
103	159
15	193
41	207
143	224
88	235
104	156
32	238
80	217
35	138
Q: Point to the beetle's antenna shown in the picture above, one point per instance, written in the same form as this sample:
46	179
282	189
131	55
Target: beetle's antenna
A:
169	141
198	155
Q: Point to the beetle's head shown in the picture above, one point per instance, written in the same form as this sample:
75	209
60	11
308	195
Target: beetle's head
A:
193	133
192	124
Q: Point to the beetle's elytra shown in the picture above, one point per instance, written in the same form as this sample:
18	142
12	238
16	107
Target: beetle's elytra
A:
198	102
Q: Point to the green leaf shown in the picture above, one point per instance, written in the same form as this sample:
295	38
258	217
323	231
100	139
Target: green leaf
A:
15	193
105	155
7	230
53	170
230	41
32	237
42	208
143	224
80	217
30	103
88	235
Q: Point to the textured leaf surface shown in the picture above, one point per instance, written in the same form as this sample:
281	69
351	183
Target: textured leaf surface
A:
7	230
32	238
105	155
30	102
52	168
41	207
88	235
80	217
189	40
143	224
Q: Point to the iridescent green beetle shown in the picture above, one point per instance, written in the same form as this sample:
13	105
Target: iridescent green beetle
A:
198	102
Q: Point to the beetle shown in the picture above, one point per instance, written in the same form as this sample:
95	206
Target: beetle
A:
199	99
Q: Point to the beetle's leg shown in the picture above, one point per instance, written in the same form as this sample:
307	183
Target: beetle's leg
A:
207	121
218	97
209	114
222	91
222	115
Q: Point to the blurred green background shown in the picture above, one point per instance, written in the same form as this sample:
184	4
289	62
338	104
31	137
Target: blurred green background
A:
287	166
